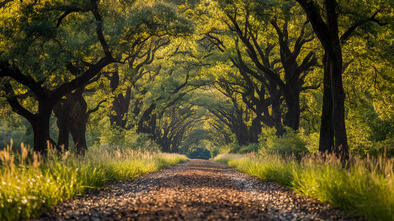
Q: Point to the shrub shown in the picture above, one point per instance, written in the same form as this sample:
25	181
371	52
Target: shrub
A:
289	144
199	153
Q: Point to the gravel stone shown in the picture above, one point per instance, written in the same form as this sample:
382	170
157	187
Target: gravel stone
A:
195	190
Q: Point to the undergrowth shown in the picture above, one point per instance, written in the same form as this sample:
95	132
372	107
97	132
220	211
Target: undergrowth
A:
30	183
363	188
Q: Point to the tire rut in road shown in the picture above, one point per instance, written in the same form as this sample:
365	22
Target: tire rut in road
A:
196	190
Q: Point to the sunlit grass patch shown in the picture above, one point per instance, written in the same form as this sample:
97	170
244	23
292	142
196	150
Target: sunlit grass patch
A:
363	188
29	183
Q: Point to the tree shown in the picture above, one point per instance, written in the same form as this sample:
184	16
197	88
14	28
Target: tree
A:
324	18
246	20
53	42
35	40
72	116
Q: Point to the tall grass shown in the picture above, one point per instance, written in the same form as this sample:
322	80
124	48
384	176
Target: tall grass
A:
30	183
364	188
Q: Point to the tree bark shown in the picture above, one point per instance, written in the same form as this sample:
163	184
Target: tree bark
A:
77	124
41	127
255	130
328	34
292	116
145	123
326	141
338	108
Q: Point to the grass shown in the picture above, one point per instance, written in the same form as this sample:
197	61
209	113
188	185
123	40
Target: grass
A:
364	188
29	184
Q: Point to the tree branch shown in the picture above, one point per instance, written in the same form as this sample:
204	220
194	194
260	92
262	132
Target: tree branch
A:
16	106
350	31
96	108
17	75
99	29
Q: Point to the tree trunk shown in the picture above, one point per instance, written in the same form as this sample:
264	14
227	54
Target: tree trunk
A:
77	124
341	148
327	31
41	127
62	111
121	107
79	137
326	142
242	129
292	117
145	123
277	116
255	130
64	133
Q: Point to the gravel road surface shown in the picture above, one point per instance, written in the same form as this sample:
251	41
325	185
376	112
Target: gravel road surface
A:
196	190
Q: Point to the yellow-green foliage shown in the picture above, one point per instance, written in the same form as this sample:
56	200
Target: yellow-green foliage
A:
290	143
29	184
364	188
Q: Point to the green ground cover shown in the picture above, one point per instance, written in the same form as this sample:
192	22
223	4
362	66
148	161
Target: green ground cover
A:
30	183
364	188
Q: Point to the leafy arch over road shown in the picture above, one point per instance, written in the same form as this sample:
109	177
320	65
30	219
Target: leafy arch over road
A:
213	72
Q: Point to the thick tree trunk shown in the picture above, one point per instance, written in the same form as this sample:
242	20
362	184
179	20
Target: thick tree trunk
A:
64	134
72	116
341	148
277	116
255	130
41	127
62	111
79	137
77	124
292	117
120	105
146	121
326	142
242	130
333	134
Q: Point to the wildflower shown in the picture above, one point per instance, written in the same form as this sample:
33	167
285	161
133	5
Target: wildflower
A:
24	201
4	183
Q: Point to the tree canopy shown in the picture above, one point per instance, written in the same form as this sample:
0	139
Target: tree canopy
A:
207	74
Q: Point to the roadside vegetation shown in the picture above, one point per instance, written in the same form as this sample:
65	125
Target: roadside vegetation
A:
30	183
364	187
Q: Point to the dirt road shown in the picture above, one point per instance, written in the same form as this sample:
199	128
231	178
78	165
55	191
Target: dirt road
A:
196	190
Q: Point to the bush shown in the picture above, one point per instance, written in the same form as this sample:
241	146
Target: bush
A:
199	153
290	143
118	137
250	148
